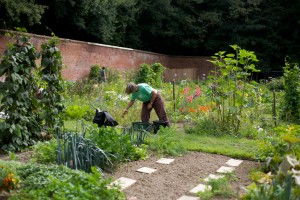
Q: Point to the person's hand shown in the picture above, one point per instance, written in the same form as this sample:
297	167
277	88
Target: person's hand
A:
125	112
149	106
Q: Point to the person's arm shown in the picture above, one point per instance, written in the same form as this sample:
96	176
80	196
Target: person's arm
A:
153	96
130	103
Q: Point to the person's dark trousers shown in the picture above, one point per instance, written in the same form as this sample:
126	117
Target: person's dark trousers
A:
159	107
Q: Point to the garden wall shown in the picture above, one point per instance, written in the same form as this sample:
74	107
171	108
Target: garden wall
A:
79	56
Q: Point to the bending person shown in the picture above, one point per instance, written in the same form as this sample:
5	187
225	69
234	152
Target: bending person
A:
150	98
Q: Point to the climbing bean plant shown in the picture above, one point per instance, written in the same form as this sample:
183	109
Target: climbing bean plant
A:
231	91
51	66
23	126
291	80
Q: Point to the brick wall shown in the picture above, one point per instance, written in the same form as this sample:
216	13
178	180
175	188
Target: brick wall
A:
79	56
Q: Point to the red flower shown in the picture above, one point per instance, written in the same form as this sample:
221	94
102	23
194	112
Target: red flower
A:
189	98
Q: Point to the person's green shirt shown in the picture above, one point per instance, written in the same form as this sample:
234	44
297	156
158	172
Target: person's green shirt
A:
143	94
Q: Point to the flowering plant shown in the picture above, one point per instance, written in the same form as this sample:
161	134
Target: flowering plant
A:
8	181
190	101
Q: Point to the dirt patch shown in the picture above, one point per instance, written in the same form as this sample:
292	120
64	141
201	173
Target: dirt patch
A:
20	156
172	181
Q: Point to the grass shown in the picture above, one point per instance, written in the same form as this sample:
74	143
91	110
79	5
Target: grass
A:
234	147
226	145
229	146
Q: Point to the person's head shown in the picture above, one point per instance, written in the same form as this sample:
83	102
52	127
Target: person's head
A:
131	88
103	67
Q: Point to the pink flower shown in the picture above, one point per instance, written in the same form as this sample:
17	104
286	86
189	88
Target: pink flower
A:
186	90
197	92
190	98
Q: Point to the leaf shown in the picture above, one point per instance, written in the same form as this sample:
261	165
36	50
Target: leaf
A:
291	139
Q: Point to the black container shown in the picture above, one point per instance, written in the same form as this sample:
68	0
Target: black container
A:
157	124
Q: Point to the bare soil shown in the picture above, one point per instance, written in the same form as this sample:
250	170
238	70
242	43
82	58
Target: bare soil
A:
172	181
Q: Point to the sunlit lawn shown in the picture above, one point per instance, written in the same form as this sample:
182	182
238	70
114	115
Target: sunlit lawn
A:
225	145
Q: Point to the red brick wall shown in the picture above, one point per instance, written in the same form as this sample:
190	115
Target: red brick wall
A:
79	56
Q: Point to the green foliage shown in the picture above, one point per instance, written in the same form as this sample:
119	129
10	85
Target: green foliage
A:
59	182
275	84
76	112
22	127
151	74
51	66
20	13
77	152
166	142
280	187
117	144
95	73
291	106
279	142
231	92
204	126
45	152
220	187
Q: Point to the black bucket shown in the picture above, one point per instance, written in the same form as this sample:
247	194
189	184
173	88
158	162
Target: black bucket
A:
157	124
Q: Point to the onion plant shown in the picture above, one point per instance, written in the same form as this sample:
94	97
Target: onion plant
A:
77	152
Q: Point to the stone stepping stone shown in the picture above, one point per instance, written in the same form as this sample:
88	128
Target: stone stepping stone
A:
212	176
124	182
146	170
200	188
188	198
234	162
165	161
224	169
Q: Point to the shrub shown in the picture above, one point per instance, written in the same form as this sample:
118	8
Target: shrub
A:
204	126
95	73
117	144
275	84
44	152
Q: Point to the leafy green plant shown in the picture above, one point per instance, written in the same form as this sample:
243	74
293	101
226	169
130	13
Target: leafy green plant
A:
291	77
278	142
118	144
22	127
95	73
204	126
166	142
158	70
273	187
230	90
76	111
51	66
45	152
145	74
219	188
151	74
77	152
59	182
275	84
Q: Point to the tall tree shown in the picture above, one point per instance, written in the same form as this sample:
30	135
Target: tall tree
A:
20	13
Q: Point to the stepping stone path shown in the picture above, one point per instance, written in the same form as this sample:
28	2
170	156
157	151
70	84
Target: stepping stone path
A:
146	170
124	182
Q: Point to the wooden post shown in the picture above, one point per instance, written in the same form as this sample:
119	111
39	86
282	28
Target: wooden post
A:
174	95
274	108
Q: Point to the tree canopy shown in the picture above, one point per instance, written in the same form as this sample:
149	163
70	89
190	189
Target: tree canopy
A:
270	28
